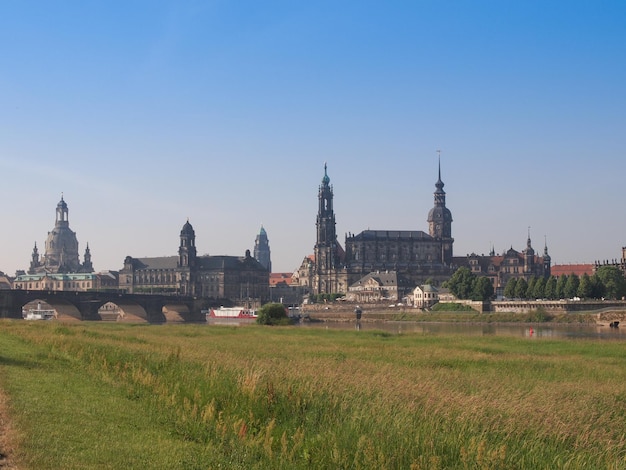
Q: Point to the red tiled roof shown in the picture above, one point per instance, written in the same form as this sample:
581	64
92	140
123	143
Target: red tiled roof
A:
567	269
278	278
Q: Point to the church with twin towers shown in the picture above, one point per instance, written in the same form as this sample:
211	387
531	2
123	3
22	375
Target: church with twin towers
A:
414	255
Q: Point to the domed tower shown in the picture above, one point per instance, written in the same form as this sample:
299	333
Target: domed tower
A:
440	221
262	249
187	248
61	245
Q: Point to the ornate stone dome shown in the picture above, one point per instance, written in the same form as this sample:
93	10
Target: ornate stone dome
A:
439	214
61	245
187	230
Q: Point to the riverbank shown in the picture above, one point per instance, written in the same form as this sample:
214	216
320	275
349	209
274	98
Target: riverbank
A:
341	312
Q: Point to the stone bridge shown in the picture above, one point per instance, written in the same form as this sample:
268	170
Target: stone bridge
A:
149	308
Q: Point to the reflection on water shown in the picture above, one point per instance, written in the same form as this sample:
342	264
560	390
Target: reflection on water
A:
549	330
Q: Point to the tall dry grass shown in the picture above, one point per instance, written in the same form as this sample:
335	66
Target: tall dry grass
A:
302	398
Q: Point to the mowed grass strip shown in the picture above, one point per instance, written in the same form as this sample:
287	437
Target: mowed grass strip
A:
67	418
195	396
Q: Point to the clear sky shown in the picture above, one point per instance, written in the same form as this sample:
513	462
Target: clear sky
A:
146	113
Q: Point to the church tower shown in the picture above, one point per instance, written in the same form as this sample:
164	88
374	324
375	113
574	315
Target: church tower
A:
34	261
262	249
440	221
547	261
187	248
87	264
529	256
187	260
326	247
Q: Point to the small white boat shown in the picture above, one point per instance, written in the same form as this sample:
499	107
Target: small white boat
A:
38	313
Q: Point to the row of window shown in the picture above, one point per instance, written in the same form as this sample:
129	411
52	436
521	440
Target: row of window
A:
393	258
54	285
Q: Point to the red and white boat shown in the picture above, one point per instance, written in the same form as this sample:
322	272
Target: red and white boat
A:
231	312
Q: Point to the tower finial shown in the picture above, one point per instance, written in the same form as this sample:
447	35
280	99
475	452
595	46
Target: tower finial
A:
325	179
439	161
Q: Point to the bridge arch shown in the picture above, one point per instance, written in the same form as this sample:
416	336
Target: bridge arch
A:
63	309
94	305
122	312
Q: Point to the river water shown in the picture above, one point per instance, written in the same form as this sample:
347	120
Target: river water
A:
535	331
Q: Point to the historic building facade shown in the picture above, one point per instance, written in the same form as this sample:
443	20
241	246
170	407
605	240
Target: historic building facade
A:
238	279
510	264
80	282
425	296
375	287
59	268
61	255
262	249
413	255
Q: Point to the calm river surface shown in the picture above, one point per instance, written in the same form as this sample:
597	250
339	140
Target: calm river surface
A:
543	331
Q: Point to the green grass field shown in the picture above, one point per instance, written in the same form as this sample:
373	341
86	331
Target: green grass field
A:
91	395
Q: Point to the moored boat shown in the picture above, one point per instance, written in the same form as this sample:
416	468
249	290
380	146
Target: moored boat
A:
38	313
231	312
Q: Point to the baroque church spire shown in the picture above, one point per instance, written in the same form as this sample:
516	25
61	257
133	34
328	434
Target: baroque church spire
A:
87	264
327	251
440	217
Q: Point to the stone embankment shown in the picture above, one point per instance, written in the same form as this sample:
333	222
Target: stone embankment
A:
344	311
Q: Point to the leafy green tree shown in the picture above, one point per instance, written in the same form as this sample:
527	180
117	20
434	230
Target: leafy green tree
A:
585	287
597	287
560	287
540	288
521	288
571	286
482	289
272	314
530	290
613	280
549	291
461	283
509	289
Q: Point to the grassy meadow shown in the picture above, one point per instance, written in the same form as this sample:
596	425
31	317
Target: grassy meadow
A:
89	395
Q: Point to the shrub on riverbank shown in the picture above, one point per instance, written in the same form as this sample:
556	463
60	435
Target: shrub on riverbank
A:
272	314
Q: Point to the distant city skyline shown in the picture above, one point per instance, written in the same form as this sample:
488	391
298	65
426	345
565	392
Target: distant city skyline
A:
147	114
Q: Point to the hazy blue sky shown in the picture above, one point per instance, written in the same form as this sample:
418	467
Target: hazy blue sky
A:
146	113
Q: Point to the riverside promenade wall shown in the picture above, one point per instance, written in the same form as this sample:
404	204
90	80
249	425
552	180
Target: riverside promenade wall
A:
556	306
344	310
